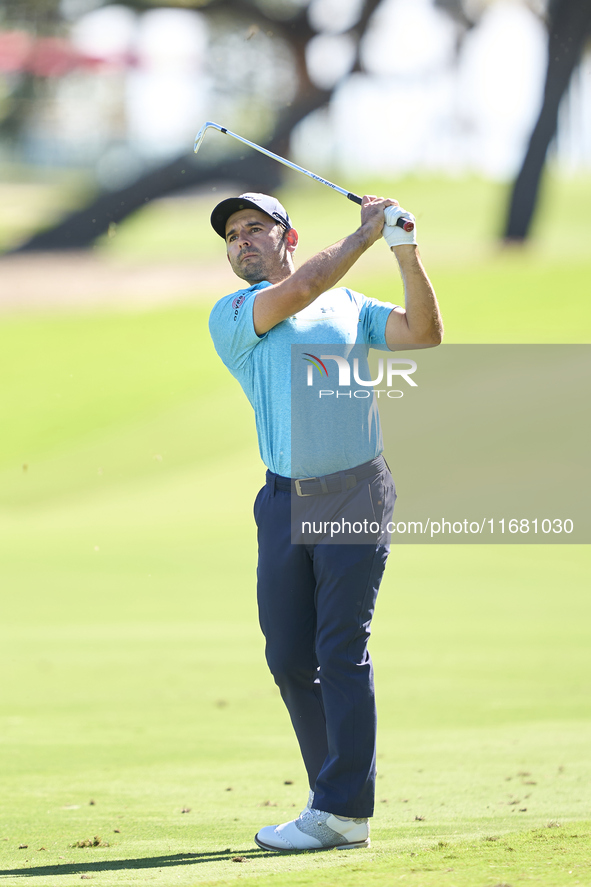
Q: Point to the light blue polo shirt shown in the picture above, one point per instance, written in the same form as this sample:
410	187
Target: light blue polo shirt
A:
263	367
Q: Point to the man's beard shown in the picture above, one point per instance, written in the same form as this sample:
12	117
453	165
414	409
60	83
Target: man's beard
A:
253	272
259	267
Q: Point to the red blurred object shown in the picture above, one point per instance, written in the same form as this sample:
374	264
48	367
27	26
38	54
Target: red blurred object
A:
15	48
46	56
52	57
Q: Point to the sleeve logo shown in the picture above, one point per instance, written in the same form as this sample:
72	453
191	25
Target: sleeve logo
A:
236	305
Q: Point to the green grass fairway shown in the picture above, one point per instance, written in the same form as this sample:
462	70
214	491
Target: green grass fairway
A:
141	736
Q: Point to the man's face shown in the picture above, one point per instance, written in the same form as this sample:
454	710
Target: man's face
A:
256	246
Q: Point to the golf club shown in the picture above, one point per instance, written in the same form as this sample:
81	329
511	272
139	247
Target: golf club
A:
406	224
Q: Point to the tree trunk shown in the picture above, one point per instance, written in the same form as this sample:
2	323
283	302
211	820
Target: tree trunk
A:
569	25
81	228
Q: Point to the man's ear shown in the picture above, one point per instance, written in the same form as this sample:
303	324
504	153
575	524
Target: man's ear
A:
291	239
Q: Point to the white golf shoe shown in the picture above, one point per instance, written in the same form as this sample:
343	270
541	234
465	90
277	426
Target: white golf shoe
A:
314	830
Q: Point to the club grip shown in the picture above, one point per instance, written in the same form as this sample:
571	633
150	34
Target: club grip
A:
406	224
401	222
406	221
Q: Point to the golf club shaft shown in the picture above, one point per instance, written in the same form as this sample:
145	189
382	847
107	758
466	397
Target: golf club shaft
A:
402	223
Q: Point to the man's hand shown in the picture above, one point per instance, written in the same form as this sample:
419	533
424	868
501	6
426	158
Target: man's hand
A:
393	234
372	215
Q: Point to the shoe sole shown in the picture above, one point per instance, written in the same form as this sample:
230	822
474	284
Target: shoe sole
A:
354	846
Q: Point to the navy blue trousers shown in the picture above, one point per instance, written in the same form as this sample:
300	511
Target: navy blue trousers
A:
316	603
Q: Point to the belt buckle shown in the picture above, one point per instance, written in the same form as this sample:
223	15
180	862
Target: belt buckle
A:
298	485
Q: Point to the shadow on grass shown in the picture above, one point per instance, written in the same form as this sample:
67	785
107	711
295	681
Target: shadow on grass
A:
149	862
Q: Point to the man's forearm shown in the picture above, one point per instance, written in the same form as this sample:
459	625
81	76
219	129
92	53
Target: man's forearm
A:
298	289
324	270
421	322
314	277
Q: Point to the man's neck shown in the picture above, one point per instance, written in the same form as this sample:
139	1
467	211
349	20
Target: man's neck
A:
273	278
281	275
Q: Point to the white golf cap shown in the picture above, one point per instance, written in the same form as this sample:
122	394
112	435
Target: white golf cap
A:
263	202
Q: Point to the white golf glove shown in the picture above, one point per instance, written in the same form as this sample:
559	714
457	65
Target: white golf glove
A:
392	234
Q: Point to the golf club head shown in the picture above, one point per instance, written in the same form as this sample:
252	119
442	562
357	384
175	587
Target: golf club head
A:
201	133
199	137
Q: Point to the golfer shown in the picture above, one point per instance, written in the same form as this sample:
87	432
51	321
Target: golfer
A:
316	599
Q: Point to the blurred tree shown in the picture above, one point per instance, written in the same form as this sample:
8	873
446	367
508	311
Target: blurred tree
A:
285	19
27	19
38	16
569	26
457	10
